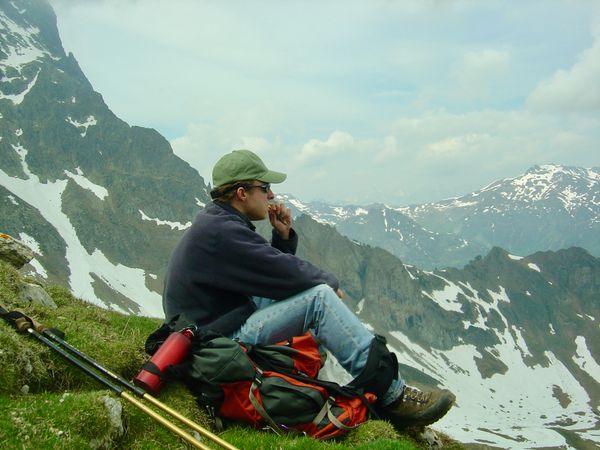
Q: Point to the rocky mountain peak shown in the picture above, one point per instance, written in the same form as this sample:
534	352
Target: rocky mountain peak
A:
28	33
77	182
570	187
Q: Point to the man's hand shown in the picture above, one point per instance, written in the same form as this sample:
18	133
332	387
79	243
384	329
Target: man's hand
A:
281	219
340	293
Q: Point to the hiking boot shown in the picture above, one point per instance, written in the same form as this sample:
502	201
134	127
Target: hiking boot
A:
417	407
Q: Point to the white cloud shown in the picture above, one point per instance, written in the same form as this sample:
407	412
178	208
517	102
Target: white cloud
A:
478	72
337	142
421	99
574	89
390	149
457	147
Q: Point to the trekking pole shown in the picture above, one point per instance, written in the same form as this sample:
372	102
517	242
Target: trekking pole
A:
23	323
119	391
139	391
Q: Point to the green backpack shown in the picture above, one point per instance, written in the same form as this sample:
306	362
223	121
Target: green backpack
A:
273	386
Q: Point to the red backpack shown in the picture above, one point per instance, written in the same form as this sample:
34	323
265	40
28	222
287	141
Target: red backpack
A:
272	386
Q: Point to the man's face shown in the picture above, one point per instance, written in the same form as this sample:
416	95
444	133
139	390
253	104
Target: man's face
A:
258	198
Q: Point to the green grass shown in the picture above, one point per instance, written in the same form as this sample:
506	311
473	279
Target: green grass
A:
48	420
47	403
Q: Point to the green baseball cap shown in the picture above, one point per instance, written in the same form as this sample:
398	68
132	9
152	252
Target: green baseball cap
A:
243	165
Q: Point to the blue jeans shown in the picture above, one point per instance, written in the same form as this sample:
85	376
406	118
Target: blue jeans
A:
320	310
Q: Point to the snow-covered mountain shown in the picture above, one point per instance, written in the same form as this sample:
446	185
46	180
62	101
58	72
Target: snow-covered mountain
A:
547	208
517	338
387	227
77	183
102	204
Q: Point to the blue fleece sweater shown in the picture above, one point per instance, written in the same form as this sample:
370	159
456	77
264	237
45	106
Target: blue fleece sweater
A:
221	262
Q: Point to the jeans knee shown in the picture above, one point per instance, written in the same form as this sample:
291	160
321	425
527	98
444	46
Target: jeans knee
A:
325	293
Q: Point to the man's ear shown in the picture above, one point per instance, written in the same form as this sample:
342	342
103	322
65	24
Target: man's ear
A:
240	194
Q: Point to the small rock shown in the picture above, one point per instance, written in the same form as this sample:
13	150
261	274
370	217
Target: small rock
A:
115	411
33	293
115	430
432	439
196	435
14	251
25	389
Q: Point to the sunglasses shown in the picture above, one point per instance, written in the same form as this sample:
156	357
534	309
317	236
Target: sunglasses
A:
214	194
263	187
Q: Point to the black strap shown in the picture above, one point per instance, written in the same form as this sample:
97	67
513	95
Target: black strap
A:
156	339
149	366
21	322
380	370
17	319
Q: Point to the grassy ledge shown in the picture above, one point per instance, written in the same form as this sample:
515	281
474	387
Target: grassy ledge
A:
47	403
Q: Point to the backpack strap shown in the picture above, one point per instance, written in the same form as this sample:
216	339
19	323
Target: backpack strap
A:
326	411
259	408
380	370
157	338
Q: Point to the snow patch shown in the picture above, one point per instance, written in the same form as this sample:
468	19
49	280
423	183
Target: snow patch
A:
47	198
38	268
446	298
17	99
128	281
513	410
89	121
34	245
22	152
299	205
500	296
412	277
79	178
533	266
584	359
30	242
173	225
361	305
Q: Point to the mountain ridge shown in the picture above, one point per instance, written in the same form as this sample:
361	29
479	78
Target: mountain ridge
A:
86	172
549	207
560	202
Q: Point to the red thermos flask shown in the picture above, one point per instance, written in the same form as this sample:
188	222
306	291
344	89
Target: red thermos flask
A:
173	351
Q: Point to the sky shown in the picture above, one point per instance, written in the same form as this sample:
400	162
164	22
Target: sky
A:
396	102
